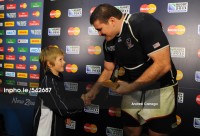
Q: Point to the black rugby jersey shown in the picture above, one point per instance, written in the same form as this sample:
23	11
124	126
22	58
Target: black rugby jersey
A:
141	34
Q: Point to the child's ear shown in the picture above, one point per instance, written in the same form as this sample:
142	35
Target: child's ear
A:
49	64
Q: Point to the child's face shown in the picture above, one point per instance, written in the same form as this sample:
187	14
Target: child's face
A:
59	65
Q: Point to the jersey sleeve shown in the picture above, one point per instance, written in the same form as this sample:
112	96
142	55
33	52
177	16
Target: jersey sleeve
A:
59	102
150	34
108	51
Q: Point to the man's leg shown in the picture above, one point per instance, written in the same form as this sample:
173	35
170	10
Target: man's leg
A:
132	131
152	133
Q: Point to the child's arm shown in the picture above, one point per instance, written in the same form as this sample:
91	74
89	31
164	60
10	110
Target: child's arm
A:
60	102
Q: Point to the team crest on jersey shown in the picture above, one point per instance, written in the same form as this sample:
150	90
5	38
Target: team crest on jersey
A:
111	48
129	44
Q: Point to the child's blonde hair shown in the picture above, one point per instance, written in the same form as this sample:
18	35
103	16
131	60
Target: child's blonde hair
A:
49	54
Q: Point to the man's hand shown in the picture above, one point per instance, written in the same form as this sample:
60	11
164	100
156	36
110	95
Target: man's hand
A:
123	88
89	97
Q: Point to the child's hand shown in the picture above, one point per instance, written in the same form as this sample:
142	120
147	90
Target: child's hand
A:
85	100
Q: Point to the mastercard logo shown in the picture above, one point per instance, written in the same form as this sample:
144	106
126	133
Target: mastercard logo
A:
199	53
73	31
23	5
36	13
94	50
92	9
176	29
179	75
90	128
10	49
55	14
178	119
22	58
1	40
33	67
148	8
114	112
198	99
71	68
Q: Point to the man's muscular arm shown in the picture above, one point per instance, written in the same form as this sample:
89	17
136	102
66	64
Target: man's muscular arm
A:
161	65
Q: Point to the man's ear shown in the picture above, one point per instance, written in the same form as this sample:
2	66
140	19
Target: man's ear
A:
112	19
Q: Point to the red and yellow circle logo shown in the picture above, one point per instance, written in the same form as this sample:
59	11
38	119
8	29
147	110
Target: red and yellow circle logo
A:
179	75
33	67
148	8
36	13
114	112
10	49
198	99
73	31
22	58
71	68
55	14
96	50
23	5
91	128
176	29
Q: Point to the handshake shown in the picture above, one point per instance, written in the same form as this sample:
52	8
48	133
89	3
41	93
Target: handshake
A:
91	95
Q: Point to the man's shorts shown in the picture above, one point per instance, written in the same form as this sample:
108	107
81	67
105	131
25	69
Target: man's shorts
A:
156	108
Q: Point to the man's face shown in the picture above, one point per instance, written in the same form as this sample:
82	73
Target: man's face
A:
105	29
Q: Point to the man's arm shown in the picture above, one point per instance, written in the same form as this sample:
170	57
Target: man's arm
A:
161	65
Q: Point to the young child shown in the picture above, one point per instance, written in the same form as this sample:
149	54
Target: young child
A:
52	108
